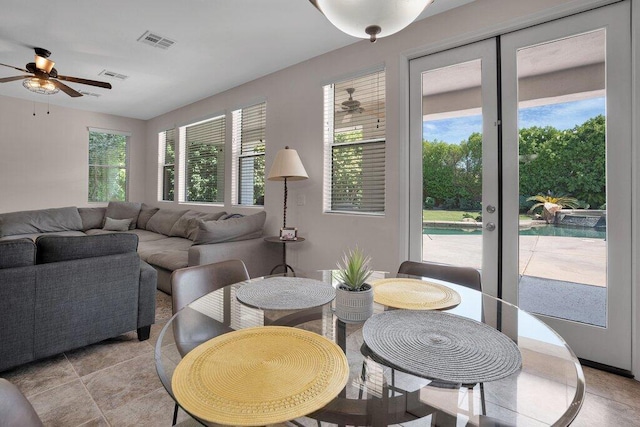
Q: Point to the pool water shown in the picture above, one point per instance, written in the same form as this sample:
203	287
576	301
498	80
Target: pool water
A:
545	230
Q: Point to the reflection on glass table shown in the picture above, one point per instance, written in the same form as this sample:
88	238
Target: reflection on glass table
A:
547	390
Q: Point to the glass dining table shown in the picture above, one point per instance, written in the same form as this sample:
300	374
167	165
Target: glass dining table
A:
548	388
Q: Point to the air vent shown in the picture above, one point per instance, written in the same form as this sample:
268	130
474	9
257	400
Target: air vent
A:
85	93
153	39
113	75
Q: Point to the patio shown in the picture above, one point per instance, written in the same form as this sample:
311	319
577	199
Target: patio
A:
560	276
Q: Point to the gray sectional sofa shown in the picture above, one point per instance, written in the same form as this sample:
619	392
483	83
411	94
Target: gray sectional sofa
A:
66	292
168	239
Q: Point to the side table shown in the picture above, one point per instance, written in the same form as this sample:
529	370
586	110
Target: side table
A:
276	239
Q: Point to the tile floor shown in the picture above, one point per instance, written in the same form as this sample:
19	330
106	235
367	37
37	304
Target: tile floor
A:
114	383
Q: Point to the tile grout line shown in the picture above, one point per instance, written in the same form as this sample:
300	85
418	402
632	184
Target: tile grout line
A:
88	392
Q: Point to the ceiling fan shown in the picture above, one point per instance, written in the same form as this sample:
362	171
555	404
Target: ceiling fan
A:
45	79
351	105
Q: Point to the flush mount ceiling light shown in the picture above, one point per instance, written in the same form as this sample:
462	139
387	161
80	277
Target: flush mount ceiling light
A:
371	19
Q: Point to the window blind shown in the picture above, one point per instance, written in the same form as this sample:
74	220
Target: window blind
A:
107	167
249	143
167	162
355	145
204	161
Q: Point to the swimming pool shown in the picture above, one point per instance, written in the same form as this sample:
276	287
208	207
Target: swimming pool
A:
544	230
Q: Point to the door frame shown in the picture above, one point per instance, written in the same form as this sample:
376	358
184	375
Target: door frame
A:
525	21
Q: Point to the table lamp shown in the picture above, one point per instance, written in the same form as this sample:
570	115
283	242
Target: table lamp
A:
287	167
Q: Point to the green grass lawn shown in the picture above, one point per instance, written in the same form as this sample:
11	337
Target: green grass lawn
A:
438	215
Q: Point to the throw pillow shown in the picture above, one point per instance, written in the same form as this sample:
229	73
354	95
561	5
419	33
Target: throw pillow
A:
124	210
230	230
111	224
163	220
146	212
187	225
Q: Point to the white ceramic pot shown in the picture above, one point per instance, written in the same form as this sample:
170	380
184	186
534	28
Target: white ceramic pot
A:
354	306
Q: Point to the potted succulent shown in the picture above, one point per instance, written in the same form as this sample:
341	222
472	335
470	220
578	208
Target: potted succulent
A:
354	296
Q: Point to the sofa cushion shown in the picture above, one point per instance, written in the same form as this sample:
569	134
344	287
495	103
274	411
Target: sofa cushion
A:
147	249
248	227
62	248
40	221
17	253
146	212
170	260
124	210
187	225
34	236
163	220
111	224
143	235
92	217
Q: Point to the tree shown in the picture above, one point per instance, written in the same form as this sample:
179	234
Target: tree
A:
107	167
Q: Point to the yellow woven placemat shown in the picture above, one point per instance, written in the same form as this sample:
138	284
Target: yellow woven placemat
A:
260	376
414	294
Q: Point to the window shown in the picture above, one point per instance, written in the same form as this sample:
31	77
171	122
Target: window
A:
248	154
354	140
202	155
167	163
107	165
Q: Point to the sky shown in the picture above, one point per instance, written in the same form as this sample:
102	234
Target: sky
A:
561	116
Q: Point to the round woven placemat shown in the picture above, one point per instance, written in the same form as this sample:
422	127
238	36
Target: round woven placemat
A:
414	294
285	293
441	346
260	376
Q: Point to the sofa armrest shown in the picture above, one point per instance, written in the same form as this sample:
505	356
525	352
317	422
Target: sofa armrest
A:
147	295
259	256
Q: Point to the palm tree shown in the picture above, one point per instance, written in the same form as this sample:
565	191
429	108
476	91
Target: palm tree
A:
562	201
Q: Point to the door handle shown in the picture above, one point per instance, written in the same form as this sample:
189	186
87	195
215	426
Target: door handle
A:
490	226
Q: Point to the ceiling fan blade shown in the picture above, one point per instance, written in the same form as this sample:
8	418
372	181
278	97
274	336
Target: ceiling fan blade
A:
66	89
85	81
16	68
14	78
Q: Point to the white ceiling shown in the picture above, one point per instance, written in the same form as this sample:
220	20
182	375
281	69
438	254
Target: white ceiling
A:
220	44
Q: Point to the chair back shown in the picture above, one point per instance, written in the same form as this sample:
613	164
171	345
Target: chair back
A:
465	276
190	283
15	409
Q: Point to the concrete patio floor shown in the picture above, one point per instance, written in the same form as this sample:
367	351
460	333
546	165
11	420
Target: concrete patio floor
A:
569	259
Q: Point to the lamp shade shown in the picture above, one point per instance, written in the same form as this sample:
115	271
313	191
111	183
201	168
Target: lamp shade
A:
287	165
371	18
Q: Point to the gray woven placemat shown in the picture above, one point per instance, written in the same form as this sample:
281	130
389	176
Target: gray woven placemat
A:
441	346
285	293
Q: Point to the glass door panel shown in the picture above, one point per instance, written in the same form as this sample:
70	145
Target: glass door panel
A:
567	179
454	158
562	175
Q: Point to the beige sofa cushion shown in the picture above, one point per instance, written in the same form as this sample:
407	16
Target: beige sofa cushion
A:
146	212
124	210
162	221
229	230
187	225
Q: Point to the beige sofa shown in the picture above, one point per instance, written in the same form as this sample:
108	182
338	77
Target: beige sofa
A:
168	239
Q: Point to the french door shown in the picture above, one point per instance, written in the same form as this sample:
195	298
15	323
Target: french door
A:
520	163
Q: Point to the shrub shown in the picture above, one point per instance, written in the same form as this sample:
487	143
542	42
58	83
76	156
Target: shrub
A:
429	203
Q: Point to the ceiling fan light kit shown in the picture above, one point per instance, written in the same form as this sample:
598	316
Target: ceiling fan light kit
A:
371	19
41	86
45	79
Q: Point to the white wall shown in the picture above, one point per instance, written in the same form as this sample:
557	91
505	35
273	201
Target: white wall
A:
295	115
44	158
